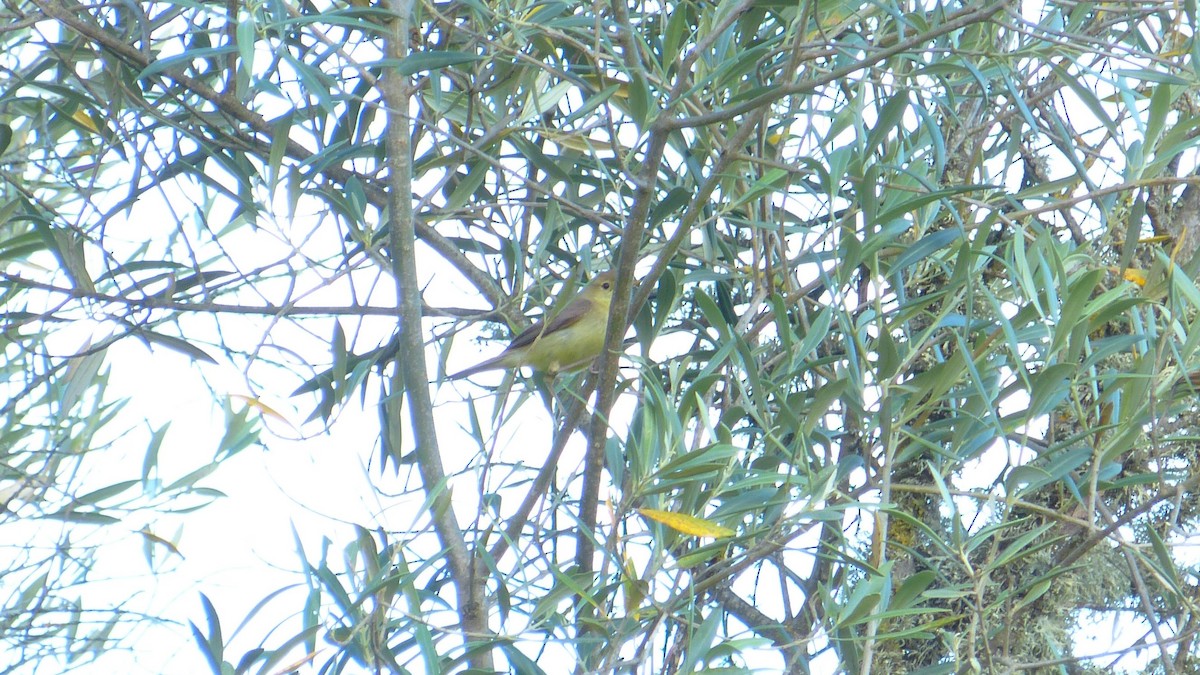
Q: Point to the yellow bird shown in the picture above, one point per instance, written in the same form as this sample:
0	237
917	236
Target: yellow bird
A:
569	341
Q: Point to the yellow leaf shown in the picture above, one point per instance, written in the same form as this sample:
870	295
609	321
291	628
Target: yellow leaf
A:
261	407
573	141
1134	276
154	538
85	120
296	665
599	83
634	588
687	524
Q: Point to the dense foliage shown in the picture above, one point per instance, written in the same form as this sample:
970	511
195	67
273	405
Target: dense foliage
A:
909	290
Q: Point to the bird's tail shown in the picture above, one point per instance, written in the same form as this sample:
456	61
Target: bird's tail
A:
490	364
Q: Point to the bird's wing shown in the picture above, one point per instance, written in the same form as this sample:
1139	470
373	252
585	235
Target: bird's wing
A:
566	318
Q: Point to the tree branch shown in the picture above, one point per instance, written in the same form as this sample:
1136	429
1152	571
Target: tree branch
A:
410	375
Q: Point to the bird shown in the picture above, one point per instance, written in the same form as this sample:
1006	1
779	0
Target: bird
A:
569	341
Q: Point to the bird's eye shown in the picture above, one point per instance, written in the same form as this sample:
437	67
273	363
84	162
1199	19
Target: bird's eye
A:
607	285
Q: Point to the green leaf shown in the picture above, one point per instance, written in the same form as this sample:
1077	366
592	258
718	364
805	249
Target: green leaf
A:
179	61
910	591
279	146
81	375
428	61
1156	119
1156	76
175	344
1030	477
519	663
700	641
924	247
212	645
104	493
1018	547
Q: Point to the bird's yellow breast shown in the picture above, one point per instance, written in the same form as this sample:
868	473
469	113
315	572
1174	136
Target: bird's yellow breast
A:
571	348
